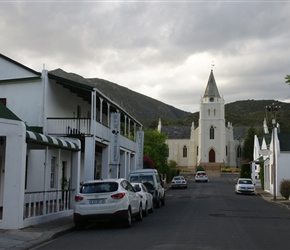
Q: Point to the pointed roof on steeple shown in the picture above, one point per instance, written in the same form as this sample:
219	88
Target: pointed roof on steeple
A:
211	88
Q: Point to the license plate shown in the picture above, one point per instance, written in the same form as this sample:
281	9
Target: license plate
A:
98	201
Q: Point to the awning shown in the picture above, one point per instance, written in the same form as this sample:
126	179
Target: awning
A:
51	141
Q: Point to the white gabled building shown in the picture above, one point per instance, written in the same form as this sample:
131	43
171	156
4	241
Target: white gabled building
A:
57	130
273	149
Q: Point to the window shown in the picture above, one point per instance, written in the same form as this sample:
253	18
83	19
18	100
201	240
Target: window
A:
211	133
226	151
52	172
184	151
239	152
214	112
208	112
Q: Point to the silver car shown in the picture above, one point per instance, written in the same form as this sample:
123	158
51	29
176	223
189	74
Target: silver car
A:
245	186
201	176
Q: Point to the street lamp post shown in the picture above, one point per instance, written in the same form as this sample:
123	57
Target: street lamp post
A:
273	109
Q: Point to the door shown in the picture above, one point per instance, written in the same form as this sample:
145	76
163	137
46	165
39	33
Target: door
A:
211	156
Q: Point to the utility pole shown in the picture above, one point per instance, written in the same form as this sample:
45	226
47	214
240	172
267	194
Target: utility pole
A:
274	109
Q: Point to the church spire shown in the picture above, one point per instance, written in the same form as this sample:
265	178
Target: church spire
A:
211	88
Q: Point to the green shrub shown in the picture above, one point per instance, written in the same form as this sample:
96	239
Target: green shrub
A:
285	188
172	164
199	168
225	169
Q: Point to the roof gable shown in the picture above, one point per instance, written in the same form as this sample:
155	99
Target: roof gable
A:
10	69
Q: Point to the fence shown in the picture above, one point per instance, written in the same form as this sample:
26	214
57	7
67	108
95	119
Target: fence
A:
46	202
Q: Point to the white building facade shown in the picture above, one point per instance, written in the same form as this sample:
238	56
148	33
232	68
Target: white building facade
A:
68	132
273	149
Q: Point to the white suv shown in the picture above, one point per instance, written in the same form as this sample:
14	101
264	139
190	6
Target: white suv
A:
111	199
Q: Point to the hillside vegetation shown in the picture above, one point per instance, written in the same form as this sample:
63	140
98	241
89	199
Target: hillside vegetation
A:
148	110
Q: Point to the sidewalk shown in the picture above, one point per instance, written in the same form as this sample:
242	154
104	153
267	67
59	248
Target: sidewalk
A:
33	236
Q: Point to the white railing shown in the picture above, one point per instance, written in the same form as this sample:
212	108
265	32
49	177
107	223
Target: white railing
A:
68	126
46	202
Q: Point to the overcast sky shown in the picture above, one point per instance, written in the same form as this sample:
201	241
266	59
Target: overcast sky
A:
161	49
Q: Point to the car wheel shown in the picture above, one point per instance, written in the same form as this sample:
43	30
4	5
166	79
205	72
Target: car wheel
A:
80	225
128	220
140	214
146	212
152	207
158	203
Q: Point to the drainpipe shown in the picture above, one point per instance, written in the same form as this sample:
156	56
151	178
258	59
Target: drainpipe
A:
44	88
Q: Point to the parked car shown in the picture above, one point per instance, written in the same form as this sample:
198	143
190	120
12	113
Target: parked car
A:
201	176
150	178
111	199
245	186
178	182
146	198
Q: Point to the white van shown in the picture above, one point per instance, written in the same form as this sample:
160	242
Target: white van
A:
151	180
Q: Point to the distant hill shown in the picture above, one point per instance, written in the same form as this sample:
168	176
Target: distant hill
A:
147	110
242	114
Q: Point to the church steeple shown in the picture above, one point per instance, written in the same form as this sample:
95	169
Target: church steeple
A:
211	88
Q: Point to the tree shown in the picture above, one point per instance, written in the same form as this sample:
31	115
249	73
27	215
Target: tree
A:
148	163
156	149
287	78
248	148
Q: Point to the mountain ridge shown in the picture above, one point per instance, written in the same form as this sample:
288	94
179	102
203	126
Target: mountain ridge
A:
148	110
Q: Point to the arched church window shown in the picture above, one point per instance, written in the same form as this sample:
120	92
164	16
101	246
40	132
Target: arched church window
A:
184	151
226	150
196	150
214	112
239	152
211	133
208	112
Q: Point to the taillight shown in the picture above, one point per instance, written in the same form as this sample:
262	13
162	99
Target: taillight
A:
78	198
118	196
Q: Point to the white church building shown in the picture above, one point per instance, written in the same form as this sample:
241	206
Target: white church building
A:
211	144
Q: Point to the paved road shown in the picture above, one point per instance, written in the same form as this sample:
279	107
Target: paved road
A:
203	216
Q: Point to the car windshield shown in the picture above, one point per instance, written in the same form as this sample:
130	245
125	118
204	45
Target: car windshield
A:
142	178
200	173
245	182
178	178
100	187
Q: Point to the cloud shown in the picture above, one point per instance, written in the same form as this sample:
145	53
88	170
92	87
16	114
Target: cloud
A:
160	49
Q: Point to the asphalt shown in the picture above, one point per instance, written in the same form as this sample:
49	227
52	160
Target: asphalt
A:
30	237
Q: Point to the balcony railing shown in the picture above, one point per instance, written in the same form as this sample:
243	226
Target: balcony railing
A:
82	126
46	202
68	126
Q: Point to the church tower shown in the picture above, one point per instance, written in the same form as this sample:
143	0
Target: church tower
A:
212	129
